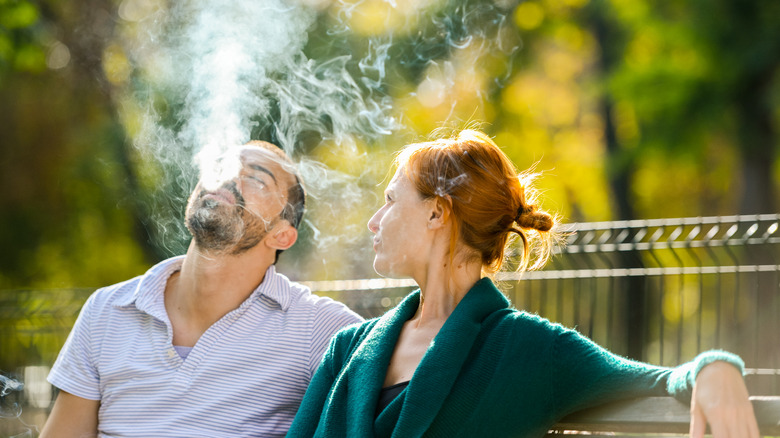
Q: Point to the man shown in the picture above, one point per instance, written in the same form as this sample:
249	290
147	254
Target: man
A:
213	343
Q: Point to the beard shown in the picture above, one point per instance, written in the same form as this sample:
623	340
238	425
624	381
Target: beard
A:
219	228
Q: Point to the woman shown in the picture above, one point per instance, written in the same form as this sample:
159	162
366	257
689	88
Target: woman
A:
454	358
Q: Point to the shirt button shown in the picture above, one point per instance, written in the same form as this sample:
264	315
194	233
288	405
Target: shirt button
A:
171	353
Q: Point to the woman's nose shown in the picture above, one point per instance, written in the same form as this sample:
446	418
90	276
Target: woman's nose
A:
373	223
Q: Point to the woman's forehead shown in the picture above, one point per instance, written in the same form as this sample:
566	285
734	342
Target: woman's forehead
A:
401	173
401	182
399	177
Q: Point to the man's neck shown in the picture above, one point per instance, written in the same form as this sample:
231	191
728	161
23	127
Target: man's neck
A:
208	287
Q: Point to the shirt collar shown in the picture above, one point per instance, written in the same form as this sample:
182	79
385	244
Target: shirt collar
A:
148	295
276	287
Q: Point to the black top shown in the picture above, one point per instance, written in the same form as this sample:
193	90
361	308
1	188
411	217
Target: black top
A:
389	394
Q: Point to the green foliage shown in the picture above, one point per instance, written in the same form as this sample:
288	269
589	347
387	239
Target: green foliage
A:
686	70
21	47
18	14
34	324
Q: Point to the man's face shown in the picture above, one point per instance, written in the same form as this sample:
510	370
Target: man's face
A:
237	212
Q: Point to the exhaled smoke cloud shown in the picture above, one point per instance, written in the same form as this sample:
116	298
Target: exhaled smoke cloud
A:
10	409
240	66
216	73
224	70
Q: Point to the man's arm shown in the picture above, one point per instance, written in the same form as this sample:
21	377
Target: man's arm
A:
330	316
72	416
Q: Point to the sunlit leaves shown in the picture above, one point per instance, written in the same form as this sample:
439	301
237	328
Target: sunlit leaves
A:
29	58
381	17
115	64
529	15
17	14
20	44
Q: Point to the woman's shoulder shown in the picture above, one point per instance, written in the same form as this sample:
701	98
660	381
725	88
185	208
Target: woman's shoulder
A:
353	334
527	323
357	329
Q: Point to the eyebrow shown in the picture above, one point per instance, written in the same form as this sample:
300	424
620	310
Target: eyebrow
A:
264	170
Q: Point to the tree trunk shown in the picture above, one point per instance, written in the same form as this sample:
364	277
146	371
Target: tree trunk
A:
620	170
757	145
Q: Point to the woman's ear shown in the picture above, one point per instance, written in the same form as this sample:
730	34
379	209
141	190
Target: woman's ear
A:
440	212
283	237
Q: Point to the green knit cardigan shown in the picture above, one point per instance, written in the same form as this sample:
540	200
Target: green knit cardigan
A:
492	371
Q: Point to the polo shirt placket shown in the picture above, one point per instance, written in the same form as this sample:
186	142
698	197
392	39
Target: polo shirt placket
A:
184	370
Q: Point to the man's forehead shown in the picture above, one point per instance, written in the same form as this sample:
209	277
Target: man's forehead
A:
249	154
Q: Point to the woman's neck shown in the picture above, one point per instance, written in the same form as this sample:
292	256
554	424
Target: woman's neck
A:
442	288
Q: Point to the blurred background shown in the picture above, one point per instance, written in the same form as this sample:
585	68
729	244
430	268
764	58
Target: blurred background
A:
630	109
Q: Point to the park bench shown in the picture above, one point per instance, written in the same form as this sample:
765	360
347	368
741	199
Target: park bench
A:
651	416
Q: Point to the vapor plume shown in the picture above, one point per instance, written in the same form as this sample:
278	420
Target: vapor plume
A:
10	409
214	74
219	73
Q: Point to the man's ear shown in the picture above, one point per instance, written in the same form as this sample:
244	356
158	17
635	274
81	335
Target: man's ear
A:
439	213
283	237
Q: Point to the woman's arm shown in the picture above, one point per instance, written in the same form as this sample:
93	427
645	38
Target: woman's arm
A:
720	398
585	375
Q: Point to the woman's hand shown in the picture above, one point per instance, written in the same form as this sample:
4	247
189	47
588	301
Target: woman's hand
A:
720	398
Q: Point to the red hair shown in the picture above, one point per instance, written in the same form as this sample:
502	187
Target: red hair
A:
485	195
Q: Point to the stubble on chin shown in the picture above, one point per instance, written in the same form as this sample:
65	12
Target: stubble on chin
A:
212	226
220	229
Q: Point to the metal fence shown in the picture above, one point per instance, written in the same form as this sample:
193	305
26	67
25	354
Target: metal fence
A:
655	290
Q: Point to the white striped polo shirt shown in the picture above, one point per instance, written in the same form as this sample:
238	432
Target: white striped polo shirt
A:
245	376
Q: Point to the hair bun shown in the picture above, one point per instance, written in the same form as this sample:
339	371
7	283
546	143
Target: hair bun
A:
529	218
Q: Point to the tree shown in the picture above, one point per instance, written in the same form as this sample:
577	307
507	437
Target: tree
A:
69	210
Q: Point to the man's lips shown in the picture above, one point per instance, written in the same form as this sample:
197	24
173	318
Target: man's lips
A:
223	195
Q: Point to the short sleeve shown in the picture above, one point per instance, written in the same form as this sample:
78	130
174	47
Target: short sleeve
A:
75	371
329	317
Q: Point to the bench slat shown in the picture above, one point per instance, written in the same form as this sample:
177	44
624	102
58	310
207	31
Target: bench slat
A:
658	415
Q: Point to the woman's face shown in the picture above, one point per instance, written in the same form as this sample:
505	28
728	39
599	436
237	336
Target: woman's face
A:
402	238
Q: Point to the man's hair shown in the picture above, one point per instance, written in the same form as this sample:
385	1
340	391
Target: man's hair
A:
296	195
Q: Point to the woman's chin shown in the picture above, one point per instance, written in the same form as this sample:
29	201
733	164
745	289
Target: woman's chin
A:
380	269
388	272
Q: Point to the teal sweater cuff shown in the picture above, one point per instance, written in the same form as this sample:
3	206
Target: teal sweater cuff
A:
682	379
